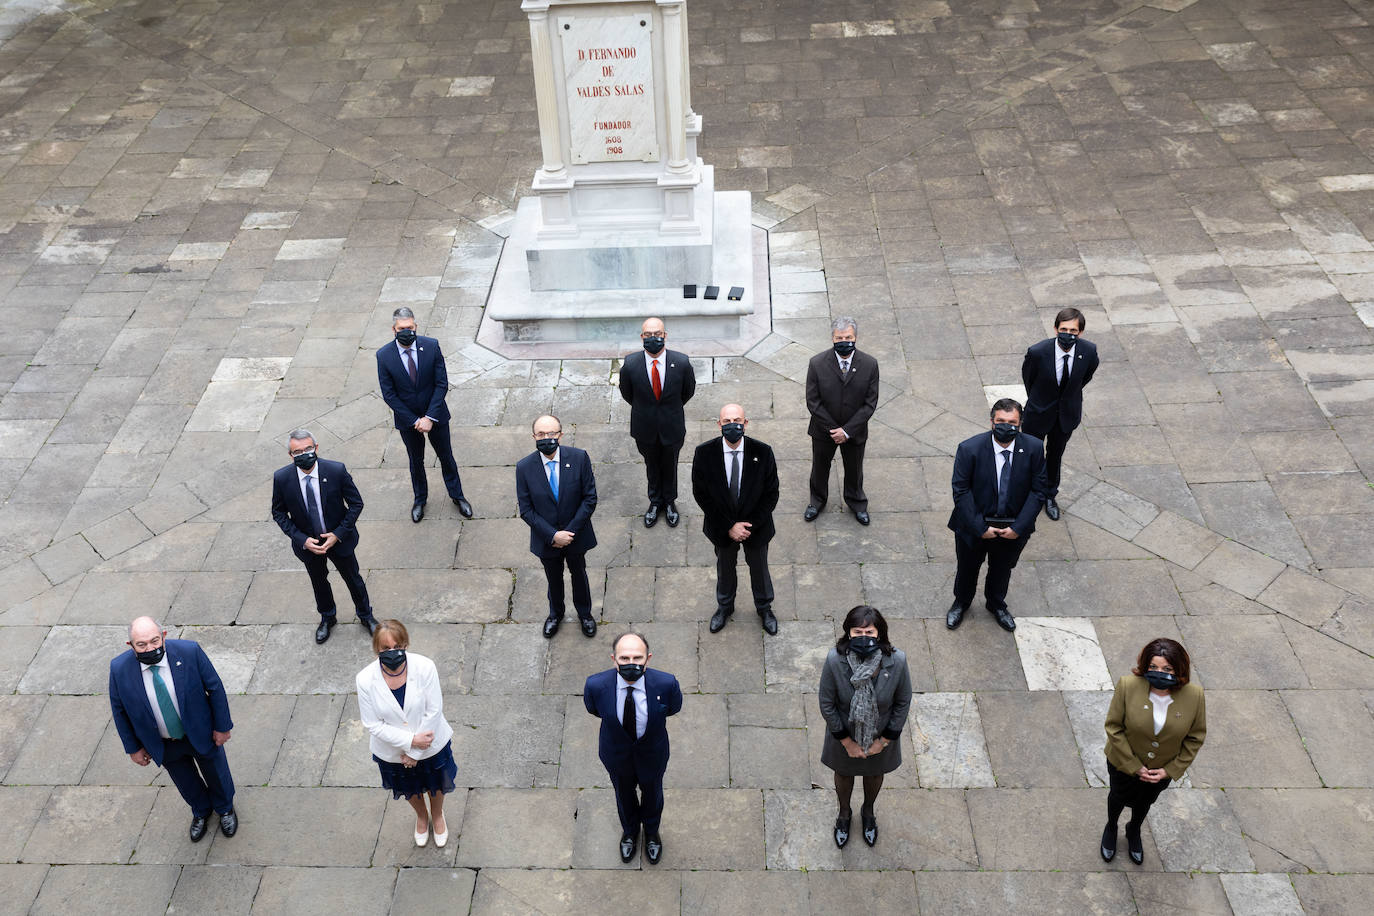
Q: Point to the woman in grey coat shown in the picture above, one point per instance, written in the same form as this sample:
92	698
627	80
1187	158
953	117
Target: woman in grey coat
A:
865	696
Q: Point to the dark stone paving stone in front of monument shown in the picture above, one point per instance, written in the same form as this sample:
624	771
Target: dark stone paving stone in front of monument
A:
266	835
1057	893
71	888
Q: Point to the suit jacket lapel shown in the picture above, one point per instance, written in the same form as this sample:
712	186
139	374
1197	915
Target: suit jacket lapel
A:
178	675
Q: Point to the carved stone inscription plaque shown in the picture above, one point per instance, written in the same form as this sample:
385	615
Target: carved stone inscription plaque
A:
609	75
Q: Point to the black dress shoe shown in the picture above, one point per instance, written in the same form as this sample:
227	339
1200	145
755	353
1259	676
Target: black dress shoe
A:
770	623
1004	619
719	619
588	626
229	823
861	516
870	827
198	827
370	623
464	507
551	626
810	514
1134	846
670	513
322	631
417	512
650	516
1108	842
653	847
1052	509
842	829
628	845
954	616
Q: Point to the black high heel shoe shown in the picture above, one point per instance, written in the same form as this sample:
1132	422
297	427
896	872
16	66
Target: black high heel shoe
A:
1134	846
870	824
842	829
1108	843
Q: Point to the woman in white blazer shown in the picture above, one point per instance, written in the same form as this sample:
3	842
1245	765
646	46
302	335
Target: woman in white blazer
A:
402	707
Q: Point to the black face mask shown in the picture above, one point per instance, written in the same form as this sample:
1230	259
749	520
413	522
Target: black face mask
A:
152	656
392	659
863	646
1003	432
1066	340
844	347
733	432
653	344
1161	680
546	446
305	460
405	336
630	673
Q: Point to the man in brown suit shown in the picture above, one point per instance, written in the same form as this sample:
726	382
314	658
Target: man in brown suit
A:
841	394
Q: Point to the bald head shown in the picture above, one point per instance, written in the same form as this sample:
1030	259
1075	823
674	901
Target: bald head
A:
143	628
630	649
653	327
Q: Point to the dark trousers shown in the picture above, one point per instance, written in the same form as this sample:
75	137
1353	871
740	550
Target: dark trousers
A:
760	583
203	780
852	457
638	796
1001	555
318	567
1047	428
660	469
443	449
582	589
1129	791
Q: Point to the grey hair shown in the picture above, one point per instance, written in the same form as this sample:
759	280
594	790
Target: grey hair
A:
844	321
300	434
401	312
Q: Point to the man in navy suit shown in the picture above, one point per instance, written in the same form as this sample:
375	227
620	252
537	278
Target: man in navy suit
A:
170	708
633	703
1055	372
414	383
556	493
735	482
316	505
999	486
656	385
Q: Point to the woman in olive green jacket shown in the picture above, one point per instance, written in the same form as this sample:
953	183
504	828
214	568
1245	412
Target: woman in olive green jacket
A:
1155	726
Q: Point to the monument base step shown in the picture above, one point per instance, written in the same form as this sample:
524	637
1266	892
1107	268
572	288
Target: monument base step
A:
549	324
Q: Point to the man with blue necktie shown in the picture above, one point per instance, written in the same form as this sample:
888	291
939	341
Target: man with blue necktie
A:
413	377
556	493
170	708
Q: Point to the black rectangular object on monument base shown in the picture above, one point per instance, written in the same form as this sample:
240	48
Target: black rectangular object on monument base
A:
736	293
712	292
689	290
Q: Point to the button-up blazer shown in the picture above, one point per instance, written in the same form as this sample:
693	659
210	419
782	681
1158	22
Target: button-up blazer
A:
424	397
658	419
341	504
1131	739
758	490
201	700
1041	378
834	401
390	726
974	484
572	512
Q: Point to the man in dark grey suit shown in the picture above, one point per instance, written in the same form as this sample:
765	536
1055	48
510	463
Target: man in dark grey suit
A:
841	394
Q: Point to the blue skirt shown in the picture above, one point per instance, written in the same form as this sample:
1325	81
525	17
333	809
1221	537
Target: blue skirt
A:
433	774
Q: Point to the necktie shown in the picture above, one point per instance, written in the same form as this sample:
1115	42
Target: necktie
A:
553	479
734	474
627	717
169	710
1004	482
312	505
1064	376
658	382
844	367
410	365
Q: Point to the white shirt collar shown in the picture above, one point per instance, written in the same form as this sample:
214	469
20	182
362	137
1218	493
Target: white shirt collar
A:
737	450
413	348
662	357
313	472
161	663
557	453
622	684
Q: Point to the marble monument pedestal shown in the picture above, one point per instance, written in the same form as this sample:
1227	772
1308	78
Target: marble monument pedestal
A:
590	320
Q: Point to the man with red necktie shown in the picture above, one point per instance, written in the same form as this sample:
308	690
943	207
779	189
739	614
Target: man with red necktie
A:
657	385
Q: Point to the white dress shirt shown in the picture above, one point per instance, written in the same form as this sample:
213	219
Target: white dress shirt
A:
414	351
845	362
151	691
319	493
738	450
1010	450
1161	705
1059	354
390	726
661	359
641	703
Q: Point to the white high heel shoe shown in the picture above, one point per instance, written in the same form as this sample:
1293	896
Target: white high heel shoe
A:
423	838
440	839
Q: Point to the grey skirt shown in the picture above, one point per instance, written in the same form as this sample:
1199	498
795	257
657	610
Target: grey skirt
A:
834	756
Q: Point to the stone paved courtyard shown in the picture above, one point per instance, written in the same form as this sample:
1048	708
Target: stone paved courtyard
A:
209	210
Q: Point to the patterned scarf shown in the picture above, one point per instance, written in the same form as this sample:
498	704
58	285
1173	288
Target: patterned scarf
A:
863	709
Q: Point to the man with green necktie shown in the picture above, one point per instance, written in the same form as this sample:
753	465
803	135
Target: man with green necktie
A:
170	708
